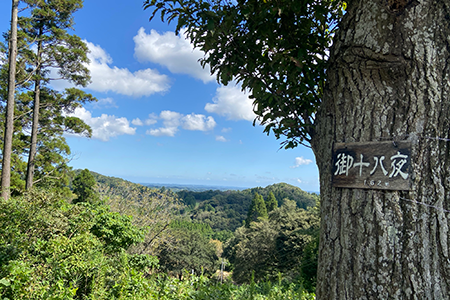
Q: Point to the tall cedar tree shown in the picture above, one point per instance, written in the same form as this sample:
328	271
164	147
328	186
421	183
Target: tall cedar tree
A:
46	32
271	202
9	119
385	78
257	210
50	161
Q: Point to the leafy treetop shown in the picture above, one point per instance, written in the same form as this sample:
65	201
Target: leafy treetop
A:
257	209
271	202
84	187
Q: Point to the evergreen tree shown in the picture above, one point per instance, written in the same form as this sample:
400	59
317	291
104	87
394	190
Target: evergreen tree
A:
9	128
271	202
283	244
50	160
257	209
50	46
84	187
46	48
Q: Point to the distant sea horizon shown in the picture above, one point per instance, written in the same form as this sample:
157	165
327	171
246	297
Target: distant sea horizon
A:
194	187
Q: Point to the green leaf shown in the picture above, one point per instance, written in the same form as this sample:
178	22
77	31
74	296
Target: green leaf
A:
5	282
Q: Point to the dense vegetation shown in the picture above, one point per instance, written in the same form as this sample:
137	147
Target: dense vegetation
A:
227	210
55	247
194	234
50	249
282	242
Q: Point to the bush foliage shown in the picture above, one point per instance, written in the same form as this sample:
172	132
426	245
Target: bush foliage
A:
51	249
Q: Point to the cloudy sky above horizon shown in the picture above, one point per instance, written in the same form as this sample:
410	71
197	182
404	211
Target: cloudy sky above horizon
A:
161	117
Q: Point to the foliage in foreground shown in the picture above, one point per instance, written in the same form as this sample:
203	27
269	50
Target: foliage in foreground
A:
202	288
150	208
50	249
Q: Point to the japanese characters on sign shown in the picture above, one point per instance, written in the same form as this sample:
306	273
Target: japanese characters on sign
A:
372	165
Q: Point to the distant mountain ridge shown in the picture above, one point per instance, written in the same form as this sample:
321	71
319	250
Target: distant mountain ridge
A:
193	187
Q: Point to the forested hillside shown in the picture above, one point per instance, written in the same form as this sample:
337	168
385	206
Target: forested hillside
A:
119	233
222	211
226	210
266	232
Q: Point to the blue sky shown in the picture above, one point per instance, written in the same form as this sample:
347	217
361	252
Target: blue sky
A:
160	117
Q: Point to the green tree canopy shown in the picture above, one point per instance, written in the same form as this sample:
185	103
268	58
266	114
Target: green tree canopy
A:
49	45
189	250
46	52
286	242
257	209
271	202
84	187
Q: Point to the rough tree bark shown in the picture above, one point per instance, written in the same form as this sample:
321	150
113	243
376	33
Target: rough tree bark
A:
9	119
388	80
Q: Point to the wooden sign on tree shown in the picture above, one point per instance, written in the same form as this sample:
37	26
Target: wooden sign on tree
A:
372	165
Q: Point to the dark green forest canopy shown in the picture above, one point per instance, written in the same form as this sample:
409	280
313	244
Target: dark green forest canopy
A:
226	210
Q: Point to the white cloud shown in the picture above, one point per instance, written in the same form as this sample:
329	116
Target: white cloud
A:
198	122
150	121
120	80
163	131
176	53
300	161
221	138
172	120
137	122
105	102
106	78
105	126
232	103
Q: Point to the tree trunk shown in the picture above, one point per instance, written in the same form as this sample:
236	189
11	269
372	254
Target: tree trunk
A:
35	122
34	133
9	118
388	80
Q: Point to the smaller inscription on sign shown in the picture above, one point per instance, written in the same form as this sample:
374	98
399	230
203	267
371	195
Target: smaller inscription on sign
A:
372	165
